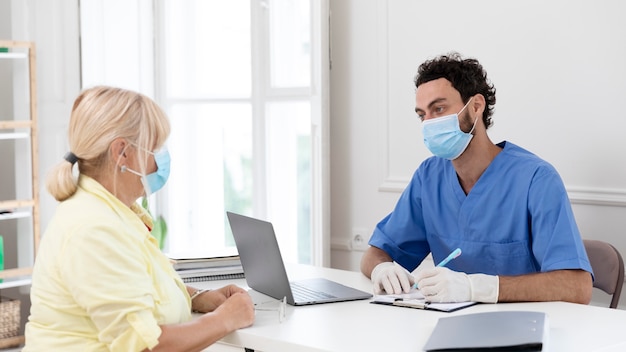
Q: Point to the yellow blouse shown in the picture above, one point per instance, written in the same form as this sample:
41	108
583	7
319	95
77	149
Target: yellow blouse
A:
100	282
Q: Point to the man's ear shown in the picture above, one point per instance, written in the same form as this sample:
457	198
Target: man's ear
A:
478	104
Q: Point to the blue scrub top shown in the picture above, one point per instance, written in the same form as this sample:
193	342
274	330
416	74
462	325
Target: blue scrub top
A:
517	219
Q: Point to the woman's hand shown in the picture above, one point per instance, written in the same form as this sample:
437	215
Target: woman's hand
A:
211	300
228	309
237	311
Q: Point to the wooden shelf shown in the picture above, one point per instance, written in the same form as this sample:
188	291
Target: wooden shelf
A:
12	273
16	129
14	204
12	341
5	125
21	127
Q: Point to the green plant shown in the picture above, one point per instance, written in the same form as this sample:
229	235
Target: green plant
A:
159	230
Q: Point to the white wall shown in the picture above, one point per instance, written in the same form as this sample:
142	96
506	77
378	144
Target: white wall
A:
53	26
121	54
558	68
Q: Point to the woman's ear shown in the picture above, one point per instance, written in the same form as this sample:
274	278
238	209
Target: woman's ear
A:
117	151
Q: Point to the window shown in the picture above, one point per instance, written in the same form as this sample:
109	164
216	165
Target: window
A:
241	82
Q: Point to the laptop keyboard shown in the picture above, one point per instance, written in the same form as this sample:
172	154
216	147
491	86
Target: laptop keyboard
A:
305	294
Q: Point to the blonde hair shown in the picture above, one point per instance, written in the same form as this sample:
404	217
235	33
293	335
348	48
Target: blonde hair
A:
99	116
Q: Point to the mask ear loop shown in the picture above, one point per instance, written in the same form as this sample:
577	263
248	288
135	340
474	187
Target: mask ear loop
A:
146	187
144	181
475	120
125	168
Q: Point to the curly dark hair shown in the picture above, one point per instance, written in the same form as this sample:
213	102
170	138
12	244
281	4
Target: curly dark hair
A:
466	75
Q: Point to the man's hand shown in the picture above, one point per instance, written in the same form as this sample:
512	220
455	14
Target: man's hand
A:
391	278
441	284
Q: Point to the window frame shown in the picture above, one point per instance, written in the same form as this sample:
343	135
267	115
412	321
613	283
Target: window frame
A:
263	94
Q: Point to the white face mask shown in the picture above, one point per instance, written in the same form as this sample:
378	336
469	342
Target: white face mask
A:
443	135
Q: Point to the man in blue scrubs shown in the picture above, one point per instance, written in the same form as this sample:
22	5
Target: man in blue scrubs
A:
504	207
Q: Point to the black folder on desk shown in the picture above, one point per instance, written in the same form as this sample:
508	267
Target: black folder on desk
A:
490	331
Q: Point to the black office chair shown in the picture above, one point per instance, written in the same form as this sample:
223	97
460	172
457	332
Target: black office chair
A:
608	268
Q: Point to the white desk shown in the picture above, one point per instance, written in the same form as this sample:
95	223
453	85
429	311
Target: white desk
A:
361	326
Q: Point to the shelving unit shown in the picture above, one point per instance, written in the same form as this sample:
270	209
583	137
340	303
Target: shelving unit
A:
20	128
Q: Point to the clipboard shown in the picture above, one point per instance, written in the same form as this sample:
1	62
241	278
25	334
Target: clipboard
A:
415	299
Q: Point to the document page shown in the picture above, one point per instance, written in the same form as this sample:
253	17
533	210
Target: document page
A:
415	299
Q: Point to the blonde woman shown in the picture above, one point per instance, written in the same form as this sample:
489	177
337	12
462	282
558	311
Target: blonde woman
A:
100	282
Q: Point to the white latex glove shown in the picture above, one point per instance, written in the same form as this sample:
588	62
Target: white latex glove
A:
391	278
441	284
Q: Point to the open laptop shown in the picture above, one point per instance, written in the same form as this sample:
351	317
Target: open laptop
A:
265	271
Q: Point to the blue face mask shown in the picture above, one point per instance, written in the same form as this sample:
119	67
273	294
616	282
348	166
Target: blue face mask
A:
156	180
443	135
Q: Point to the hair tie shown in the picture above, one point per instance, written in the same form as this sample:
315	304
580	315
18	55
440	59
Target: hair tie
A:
71	158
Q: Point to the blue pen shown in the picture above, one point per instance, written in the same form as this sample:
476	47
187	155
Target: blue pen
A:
455	253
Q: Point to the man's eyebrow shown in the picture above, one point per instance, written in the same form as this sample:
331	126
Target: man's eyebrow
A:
436	101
